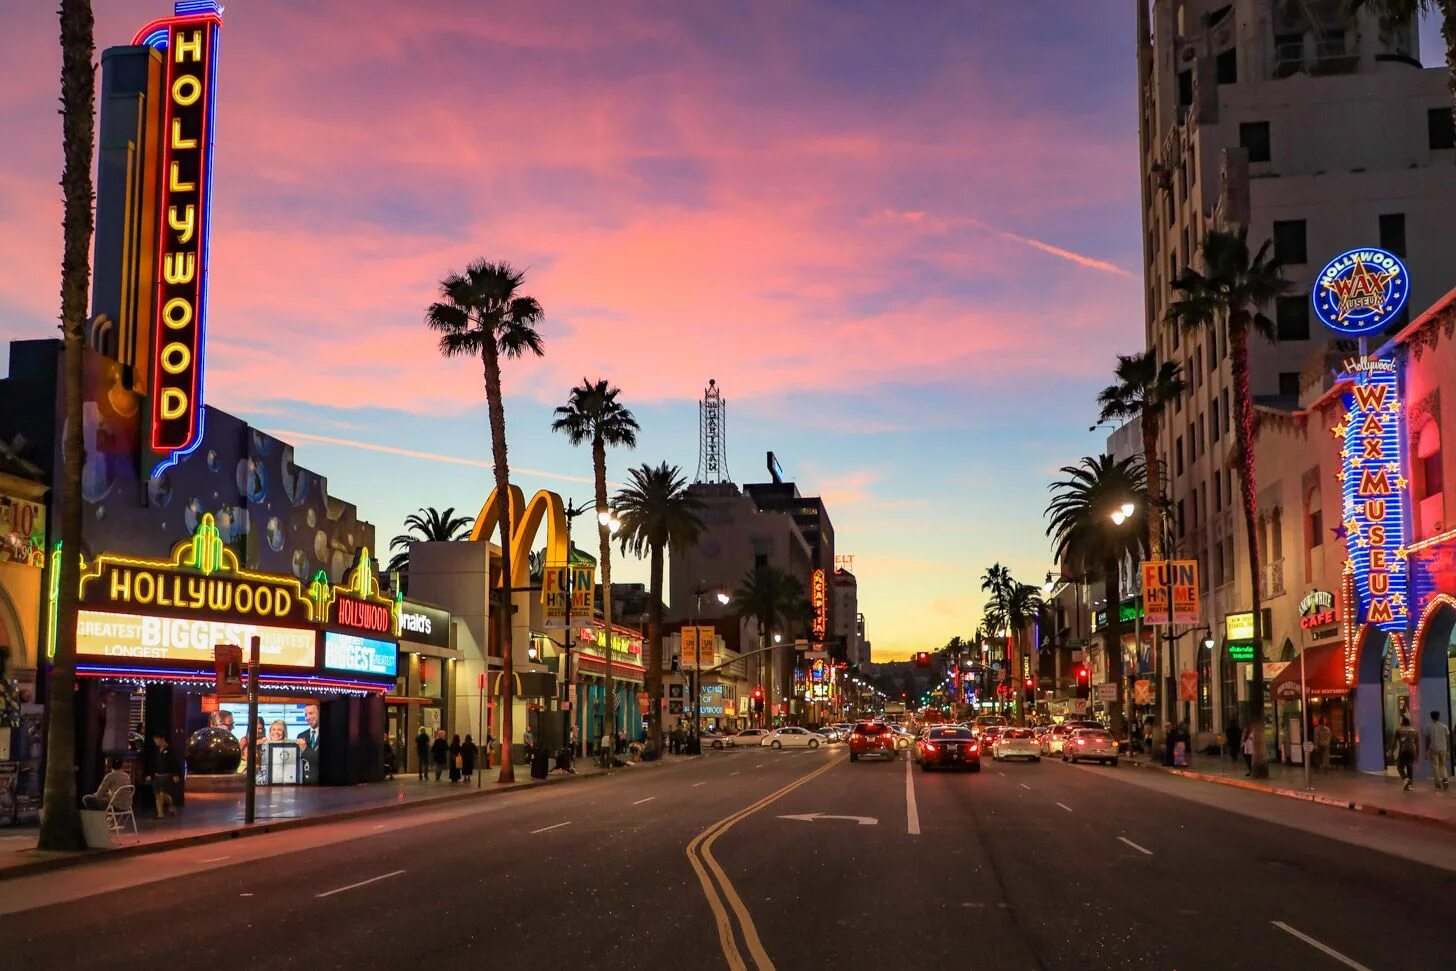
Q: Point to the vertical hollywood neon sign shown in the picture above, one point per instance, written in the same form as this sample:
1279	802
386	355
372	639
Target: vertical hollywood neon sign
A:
819	598
189	42
1374	493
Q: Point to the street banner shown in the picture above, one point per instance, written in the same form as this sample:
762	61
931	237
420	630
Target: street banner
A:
1186	606
553	592
1156	603
228	661
707	646
1188	686
689	651
583	589
644	702
1142	692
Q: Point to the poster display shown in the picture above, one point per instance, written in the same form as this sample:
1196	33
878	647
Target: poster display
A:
280	725
103	634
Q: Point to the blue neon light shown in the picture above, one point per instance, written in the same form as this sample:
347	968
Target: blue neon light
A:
187	8
361	655
1374	490
1361	291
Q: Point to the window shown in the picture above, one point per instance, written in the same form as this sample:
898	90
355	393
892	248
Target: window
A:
1440	131
1289	244
1178	456
1289	384
1227	66
1195	508
1217	489
1392	232
1180	518
1254	138
1213	348
1314	520
1185	88
1291	318
1276	535
1213	420
1225	409
1198	371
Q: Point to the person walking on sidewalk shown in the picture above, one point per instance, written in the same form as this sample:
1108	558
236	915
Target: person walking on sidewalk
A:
1438	750
1407	744
468	753
457	761
1247	746
1323	737
439	752
422	752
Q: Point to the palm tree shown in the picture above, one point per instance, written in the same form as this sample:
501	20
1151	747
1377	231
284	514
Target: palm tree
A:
1403	12
60	820
1018	605
1145	389
657	513
997	582
1234	289
593	414
1085	537
483	312
772	598
429	525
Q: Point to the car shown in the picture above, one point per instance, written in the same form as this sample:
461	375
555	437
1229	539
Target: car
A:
1015	743
985	721
748	736
903	737
943	747
986	736
1089	745
1051	741
793	736
871	740
711	739
832	734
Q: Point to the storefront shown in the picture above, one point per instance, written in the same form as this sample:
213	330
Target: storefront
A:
22	538
421	697
628	678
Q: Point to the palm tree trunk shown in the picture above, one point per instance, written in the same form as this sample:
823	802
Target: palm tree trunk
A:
1112	643
1448	34
60	827
1244	419
500	614
604	535
654	651
1153	473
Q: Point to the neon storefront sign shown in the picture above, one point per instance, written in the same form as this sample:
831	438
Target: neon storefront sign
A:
1361	291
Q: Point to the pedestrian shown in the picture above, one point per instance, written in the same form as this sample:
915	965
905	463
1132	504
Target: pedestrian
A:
1438	750
160	775
1247	746
422	752
1179	745
469	752
439	752
388	758
1323	738
1407	743
529	741
489	749
457	761
1166	749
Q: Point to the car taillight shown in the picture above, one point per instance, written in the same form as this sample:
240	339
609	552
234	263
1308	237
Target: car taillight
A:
974	747
929	746
1081	741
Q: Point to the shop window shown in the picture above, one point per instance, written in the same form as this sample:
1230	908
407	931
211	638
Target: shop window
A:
1289	242
1254	139
1392	232
1440	130
1291	318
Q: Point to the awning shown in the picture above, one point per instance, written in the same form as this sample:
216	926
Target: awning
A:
1324	667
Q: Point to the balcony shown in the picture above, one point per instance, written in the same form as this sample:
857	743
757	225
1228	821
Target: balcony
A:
1271	580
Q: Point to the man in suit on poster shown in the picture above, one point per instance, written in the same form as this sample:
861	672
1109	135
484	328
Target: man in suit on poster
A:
308	742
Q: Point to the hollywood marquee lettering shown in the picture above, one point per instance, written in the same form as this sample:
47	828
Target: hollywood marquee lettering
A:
1374	497
363	615
123	586
188	45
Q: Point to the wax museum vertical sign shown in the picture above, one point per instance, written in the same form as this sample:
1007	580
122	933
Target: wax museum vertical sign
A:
189	47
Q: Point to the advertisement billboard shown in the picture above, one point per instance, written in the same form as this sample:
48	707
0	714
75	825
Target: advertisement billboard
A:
360	655
130	637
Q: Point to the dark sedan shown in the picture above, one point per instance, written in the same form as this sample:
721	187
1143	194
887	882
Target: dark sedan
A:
948	748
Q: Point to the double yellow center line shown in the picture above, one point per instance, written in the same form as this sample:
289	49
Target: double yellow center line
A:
700	855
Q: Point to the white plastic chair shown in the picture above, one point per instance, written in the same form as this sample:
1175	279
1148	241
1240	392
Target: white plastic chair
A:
116	817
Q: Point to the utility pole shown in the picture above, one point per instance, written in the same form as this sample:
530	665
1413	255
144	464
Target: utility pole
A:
250	802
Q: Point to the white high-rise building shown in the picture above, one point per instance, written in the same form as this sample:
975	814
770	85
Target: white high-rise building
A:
1315	133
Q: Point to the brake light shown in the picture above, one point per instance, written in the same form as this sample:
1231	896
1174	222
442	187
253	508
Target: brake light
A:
928	746
974	747
1081	741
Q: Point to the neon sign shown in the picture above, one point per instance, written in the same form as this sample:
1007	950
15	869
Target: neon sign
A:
1361	291
819	597
189	42
1373	489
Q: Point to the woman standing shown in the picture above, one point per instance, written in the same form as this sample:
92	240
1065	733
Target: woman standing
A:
455	759
468	753
1248	750
439	752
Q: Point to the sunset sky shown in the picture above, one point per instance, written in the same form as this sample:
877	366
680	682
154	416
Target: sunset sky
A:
902	236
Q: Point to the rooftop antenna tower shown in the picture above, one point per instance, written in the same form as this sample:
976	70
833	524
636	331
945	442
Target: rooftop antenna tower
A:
712	436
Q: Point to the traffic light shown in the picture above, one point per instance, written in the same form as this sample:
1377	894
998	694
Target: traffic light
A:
922	659
1084	681
1029	690
758	699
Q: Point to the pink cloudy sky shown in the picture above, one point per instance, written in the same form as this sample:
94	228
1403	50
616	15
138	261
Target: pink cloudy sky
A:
901	235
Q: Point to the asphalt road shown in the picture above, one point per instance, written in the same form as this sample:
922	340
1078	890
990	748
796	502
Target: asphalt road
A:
696	866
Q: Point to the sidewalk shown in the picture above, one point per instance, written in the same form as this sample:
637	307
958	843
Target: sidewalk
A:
1362	792
214	816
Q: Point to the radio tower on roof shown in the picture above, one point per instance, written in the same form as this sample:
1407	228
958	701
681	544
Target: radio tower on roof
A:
712	436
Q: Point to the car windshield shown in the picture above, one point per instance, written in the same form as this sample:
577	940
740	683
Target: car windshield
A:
938	733
1094	733
1016	733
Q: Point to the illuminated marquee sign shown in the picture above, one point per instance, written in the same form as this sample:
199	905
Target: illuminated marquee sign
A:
1317	610
819	597
1361	291
363	615
203	576
188	640
188	42
1374	492
360	655
358	603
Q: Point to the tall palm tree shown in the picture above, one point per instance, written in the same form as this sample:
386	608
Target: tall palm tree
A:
593	414
429	525
772	598
60	826
1016	608
1234	288
1404	12
657	514
997	583
1079	521
482	311
1144	390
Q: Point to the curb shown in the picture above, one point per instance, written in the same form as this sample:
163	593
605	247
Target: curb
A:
243	831
1311	797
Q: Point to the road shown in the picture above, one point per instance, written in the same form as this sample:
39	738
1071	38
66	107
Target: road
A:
793	860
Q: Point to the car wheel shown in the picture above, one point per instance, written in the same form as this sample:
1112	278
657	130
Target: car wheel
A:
854	756
975	767
1114	763
813	743
1073	760
777	744
1036	758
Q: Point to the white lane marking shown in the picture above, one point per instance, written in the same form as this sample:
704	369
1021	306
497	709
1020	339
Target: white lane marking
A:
361	883
244	895
1065	806
696	784
760	765
641	801
912	815
1001	774
1140	849
545	829
214	859
1347	962
1024	786
733	773
380	826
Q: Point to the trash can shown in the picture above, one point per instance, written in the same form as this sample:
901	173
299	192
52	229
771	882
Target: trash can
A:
540	763
93	827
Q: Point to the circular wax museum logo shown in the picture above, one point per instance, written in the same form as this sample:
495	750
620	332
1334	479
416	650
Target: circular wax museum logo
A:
1361	291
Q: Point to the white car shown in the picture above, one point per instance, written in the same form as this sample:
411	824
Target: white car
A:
1016	743
749	736
793	737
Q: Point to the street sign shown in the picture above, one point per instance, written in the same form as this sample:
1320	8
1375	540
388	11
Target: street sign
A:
1107	691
